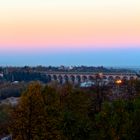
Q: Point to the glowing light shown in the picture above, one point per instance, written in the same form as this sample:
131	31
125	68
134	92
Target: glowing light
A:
118	82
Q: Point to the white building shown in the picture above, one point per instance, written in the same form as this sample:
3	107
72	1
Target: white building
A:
87	84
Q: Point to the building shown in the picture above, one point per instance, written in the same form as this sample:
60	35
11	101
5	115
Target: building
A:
8	137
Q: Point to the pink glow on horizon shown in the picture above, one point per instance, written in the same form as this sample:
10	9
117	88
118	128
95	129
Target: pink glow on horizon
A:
64	43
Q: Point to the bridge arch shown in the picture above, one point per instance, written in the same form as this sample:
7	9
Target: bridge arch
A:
60	79
132	78
72	78
125	78
84	78
54	77
117	77
91	78
49	78
66	78
78	79
110	78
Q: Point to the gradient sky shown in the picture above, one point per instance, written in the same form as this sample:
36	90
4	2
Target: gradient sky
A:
70	32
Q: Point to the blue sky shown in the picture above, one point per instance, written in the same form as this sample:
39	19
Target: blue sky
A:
112	57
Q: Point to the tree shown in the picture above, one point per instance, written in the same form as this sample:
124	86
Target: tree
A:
75	123
4	119
113	122
28	116
52	114
37	115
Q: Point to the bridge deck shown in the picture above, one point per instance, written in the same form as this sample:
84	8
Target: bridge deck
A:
87	73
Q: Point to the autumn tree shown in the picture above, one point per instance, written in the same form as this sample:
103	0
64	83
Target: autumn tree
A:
5	119
28	116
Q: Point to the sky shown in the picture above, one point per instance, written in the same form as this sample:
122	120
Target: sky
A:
70	32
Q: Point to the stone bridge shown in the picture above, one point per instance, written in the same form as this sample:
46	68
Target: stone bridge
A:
79	77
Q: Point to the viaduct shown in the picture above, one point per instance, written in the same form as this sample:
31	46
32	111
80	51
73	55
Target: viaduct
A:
79	77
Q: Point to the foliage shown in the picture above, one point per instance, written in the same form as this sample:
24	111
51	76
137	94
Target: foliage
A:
29	114
75	123
4	119
55	112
